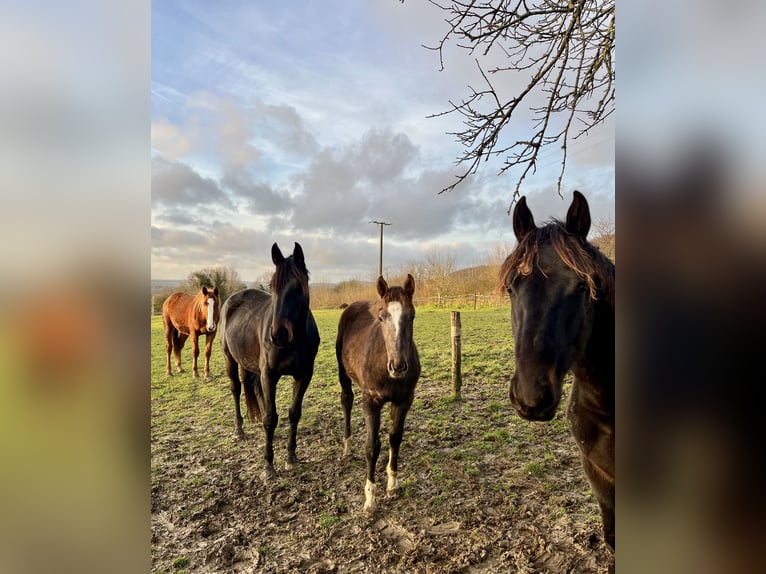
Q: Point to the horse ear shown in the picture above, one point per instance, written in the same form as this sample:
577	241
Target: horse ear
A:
381	286
409	285
215	291
578	216
276	255
298	255
204	290
523	222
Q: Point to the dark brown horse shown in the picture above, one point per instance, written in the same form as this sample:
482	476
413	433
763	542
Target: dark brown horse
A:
267	335
562	312
375	348
185	315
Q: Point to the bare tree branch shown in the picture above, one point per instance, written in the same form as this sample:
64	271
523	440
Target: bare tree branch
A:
567	50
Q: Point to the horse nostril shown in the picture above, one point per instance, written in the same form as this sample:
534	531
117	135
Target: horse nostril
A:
398	368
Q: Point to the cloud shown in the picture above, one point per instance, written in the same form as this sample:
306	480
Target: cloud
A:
168	140
261	197
285	127
175	183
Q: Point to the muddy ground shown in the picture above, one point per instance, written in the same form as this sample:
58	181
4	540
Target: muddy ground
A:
468	503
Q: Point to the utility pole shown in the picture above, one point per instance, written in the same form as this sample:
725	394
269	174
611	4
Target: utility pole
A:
380	257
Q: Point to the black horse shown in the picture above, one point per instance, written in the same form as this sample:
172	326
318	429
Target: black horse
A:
562	312
374	347
267	335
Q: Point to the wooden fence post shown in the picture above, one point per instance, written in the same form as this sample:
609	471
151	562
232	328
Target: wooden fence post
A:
457	377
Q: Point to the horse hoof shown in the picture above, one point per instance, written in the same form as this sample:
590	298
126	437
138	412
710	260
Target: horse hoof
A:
268	474
369	509
370	504
240	434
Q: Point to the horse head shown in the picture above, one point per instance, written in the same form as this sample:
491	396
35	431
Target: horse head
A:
289	294
210	301
552	305
396	314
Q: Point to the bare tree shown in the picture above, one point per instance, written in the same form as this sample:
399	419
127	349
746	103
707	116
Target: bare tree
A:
603	230
565	48
438	269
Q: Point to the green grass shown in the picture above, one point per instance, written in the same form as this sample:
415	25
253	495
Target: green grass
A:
451	448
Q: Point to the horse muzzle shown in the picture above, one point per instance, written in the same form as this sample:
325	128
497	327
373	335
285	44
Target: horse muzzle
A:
281	335
537	403
397	369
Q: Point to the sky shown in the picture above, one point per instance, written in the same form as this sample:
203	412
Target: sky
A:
304	121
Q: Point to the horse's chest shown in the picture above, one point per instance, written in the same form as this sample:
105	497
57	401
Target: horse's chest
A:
384	389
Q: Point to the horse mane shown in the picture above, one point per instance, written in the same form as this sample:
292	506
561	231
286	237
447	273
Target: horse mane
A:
284	271
582	257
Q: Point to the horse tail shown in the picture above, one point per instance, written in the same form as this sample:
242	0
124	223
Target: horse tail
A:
253	396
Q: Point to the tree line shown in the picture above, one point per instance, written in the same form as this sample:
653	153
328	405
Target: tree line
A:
439	282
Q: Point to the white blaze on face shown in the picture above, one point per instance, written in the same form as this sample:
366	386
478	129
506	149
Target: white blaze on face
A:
211	314
395	311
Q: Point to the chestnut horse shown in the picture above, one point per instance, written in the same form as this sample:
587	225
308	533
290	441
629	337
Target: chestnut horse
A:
184	315
562	312
375	348
267	335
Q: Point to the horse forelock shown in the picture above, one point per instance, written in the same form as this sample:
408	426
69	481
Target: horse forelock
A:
284	271
396	294
581	257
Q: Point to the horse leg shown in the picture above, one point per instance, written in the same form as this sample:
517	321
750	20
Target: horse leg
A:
372	451
208	352
398	414
347	401
270	420
169	334
607	518
179	339
596	444
603	489
195	353
300	384
232	369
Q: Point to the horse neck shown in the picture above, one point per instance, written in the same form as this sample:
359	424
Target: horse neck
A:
594	370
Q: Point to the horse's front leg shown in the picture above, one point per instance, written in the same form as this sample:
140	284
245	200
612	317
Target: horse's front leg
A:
300	384
270	420
208	351
398	414
372	450
195	353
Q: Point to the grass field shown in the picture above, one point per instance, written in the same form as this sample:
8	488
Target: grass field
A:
482	490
